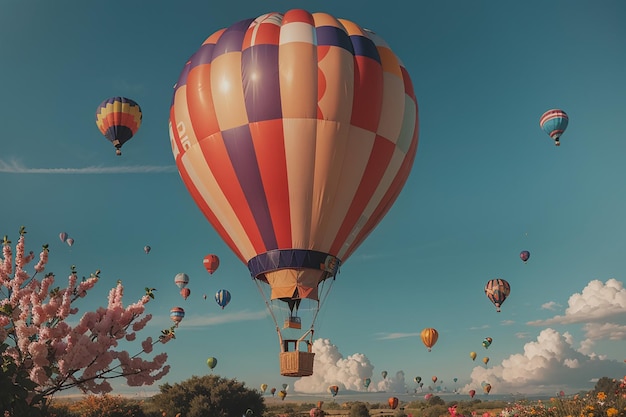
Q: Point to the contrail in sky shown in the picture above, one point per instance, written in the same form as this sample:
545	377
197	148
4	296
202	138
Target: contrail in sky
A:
15	167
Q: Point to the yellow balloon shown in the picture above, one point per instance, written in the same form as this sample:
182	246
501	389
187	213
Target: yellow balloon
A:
485	360
473	355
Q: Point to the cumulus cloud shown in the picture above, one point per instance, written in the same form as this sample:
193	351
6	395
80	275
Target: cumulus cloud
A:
609	331
387	336
545	366
348	373
597	303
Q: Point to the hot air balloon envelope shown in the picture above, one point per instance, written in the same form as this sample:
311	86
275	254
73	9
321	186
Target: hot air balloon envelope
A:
118	119
185	292
70	242
554	122
63	236
211	263
177	314
473	355
222	297
524	255
181	280
211	362
429	337
393	402
472	393
147	249
497	290
264	115
333	389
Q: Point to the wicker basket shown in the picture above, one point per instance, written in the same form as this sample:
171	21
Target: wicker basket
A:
296	363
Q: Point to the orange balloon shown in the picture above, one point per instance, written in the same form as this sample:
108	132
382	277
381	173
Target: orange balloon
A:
429	337
393	402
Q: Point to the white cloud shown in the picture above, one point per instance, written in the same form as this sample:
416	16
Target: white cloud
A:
596	303
15	167
546	365
386	336
331	368
550	305
609	331
507	322
212	320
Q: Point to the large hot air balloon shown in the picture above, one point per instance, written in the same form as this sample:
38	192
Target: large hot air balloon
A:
181	280
211	362
333	389
497	290
393	402
211	262
524	255
473	355
554	122
429	337
222	297
63	236
118	118
177	314
263	119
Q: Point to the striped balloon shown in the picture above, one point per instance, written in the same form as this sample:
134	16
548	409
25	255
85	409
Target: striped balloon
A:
294	133
177	314
118	119
554	122
222	297
181	280
497	290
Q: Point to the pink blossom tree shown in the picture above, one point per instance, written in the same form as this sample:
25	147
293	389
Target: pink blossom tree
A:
41	354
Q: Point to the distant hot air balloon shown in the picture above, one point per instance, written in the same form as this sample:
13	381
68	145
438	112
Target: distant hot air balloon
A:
429	337
181	280
384	374
333	389
487	388
69	241
434	379
285	386
472	393
524	255
282	394
63	236
147	249
320	404
316	412
487	342
485	360
367	382
211	362
263	118
222	297
118	119
497	290
263	387
211	262
455	379
185	292
473	355
177	314
393	402
273	391
554	122
417	379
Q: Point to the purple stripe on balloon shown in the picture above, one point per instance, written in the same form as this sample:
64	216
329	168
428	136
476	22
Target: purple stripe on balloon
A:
240	148
204	55
363	46
334	36
232	38
259	73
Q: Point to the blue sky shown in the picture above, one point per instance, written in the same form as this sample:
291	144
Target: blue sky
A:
486	184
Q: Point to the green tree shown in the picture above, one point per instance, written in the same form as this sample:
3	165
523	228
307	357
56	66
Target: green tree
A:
607	385
209	395
359	409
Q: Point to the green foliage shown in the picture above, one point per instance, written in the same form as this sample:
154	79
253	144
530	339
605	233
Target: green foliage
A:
15	388
209	395
435	410
359	409
435	400
106	406
607	385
